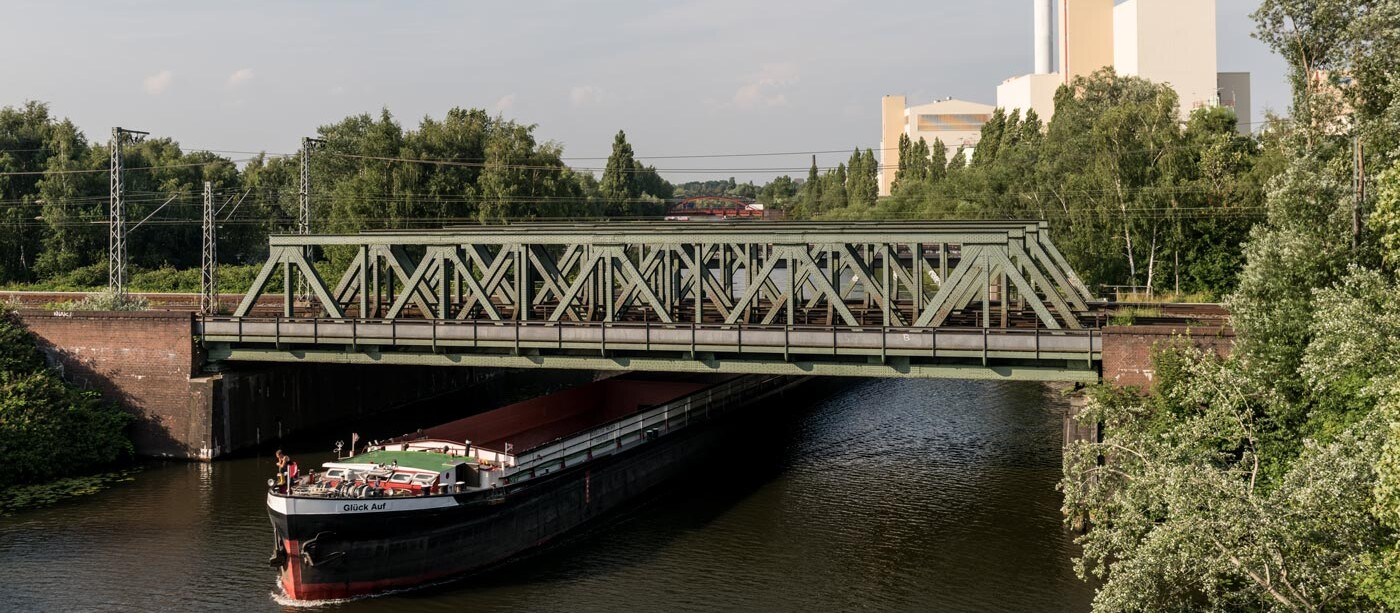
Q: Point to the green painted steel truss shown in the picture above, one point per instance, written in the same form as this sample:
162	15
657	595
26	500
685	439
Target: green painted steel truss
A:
971	299
915	274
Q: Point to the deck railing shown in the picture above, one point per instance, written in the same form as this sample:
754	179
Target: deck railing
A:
739	338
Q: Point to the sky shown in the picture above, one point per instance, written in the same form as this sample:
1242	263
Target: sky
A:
681	78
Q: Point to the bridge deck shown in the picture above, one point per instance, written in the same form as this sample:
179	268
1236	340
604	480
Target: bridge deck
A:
871	350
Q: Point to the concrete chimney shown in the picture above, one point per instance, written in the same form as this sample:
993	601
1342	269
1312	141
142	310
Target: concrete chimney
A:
1044	44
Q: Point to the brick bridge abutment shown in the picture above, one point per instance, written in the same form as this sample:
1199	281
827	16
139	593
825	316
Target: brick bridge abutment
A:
150	363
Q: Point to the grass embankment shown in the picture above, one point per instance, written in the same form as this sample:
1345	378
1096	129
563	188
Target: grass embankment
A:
51	431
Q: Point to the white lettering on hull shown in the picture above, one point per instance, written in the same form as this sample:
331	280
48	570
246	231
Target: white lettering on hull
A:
328	506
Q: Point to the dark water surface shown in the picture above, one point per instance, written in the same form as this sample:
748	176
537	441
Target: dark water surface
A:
883	495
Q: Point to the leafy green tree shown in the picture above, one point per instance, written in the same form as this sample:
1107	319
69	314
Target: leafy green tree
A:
1384	221
617	186
779	193
938	161
47	428
812	191
834	193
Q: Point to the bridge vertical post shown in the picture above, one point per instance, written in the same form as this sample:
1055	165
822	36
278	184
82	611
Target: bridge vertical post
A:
917	251
986	295
522	282
791	296
366	262
865	255
443	303
1005	298
610	283
942	264
287	288
698	281
889	292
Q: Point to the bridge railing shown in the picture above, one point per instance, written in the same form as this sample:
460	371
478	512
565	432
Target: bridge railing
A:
649	337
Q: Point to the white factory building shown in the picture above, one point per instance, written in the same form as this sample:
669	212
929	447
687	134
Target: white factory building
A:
1165	41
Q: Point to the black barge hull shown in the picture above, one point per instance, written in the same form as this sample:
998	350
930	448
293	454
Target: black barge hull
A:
352	547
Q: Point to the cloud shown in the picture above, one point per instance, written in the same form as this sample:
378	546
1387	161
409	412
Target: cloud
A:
239	77
504	103
157	83
584	95
763	88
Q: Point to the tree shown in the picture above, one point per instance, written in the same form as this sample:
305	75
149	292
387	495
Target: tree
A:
834	193
1184	518
1384	221
48	428
862	183
812	190
617	186
938	161
778	193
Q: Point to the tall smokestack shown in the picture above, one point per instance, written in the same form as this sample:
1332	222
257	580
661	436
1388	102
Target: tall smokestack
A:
1044	45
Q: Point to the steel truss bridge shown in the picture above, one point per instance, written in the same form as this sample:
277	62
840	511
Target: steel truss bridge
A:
965	299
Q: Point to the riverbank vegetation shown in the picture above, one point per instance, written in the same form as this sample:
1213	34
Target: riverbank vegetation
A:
50	429
1270	481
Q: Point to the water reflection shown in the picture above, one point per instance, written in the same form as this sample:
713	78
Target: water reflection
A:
887	494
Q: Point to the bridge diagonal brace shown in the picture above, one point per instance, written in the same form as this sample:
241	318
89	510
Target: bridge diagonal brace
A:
414	282
1059	261
751	291
639	284
824	287
1024	286
550	275
585	276
255	291
475	293
630	291
1037	279
403	269
494	279
872	288
314	281
718	296
942	304
351	281
1063	285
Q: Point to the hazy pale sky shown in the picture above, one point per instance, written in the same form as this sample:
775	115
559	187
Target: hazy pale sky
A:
693	77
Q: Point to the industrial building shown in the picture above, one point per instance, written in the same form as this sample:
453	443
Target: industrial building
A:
1164	41
958	123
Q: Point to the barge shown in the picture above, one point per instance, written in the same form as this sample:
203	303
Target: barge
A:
476	492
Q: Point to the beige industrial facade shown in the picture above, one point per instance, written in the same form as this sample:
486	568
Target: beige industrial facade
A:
958	123
1164	41
1086	37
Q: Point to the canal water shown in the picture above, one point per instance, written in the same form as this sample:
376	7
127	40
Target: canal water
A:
886	495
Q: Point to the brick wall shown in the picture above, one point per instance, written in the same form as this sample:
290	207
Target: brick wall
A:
1127	350
149	363
141	360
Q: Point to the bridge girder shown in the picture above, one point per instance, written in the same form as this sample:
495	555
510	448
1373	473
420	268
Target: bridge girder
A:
919	274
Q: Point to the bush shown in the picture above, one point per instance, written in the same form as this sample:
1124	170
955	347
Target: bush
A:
103	301
48	428
166	279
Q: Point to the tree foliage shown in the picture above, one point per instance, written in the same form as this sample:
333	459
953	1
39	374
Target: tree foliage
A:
369	173
47	428
1271	481
1133	197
